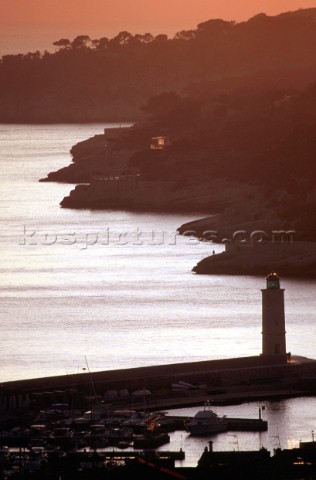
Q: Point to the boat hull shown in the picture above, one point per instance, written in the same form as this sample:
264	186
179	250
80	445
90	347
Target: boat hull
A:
202	430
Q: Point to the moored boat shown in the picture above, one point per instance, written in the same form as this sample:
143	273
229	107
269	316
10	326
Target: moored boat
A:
206	422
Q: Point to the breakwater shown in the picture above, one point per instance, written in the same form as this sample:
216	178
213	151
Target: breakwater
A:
230	380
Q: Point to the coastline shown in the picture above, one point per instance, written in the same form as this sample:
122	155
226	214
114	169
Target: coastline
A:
289	261
104	178
250	249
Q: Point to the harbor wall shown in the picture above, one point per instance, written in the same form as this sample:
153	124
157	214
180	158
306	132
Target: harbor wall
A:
252	373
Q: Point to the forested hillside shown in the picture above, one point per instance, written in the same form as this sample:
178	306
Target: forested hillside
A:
89	80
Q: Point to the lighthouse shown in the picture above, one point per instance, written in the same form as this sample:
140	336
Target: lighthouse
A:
273	317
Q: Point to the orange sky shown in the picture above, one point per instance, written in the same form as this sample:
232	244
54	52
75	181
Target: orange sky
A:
35	24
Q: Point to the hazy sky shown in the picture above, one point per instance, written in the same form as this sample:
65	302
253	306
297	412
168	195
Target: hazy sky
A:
28	25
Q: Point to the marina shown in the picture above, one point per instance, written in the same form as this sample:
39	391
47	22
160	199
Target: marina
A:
31	463
27	447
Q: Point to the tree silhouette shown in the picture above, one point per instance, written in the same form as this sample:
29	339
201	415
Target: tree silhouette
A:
80	42
123	38
62	43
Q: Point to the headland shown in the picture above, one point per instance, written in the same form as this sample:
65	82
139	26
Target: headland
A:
252	247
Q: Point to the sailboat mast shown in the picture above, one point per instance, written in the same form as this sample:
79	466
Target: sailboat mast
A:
92	383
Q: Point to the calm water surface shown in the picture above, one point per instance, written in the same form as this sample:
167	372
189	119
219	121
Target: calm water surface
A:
289	422
117	286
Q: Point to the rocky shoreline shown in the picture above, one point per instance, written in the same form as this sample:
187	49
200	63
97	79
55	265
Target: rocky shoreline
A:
251	249
260	260
104	177
244	218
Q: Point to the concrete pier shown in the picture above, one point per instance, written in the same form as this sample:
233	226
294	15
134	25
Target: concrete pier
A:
221	381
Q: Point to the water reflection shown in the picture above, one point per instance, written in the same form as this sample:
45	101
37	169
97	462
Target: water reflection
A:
289	422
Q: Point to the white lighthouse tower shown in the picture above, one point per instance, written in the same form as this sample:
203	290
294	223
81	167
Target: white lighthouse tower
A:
273	317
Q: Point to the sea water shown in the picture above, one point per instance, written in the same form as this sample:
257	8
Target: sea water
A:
116	287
